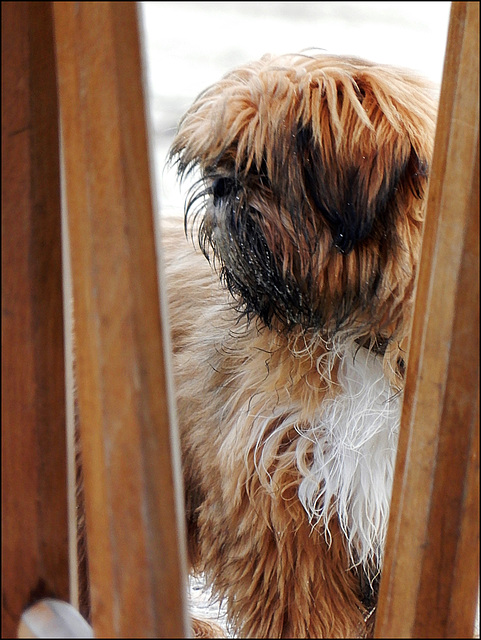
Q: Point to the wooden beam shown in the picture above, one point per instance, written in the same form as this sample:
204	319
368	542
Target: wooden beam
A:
134	509
34	485
429	587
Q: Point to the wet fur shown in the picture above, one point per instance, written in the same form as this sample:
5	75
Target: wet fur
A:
289	353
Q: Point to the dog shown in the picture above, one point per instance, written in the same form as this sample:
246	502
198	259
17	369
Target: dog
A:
290	326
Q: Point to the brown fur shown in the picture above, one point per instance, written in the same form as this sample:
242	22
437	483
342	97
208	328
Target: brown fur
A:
317	167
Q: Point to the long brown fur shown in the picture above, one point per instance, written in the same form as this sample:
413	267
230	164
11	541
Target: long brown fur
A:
310	209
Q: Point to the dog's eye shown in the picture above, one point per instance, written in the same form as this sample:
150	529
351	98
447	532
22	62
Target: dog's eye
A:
223	187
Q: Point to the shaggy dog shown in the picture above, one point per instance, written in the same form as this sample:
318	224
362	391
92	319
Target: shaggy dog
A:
289	341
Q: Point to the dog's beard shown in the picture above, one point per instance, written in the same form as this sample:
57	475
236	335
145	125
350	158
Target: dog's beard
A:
294	269
233	234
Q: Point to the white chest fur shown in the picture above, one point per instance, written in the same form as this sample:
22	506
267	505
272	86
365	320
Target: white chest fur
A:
355	439
347	468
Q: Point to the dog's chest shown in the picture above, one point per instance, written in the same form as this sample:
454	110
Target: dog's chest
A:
344	451
351	474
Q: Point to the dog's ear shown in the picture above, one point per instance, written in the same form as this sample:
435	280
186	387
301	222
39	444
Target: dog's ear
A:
356	193
333	195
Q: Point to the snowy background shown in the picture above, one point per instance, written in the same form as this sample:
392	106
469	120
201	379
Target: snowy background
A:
190	45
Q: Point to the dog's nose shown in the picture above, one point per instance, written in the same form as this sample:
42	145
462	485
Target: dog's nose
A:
340	243
344	239
343	243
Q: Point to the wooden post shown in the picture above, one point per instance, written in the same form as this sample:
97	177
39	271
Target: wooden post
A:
430	579
34	484
134	512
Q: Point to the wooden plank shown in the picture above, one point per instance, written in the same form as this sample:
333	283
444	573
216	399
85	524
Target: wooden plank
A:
134	513
430	579
34	500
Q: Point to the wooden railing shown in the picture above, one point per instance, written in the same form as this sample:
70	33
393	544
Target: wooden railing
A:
429	586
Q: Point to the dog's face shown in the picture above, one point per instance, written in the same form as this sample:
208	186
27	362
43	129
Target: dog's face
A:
314	174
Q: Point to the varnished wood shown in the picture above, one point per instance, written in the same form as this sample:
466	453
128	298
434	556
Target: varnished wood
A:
430	578
34	500
135	530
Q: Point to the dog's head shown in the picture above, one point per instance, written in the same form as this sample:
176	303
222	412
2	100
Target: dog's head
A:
311	202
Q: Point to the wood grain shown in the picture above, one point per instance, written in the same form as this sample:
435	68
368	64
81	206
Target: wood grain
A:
135	527
34	499
430	578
